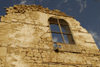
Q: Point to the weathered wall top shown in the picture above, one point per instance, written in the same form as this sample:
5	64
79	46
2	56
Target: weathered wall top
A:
25	8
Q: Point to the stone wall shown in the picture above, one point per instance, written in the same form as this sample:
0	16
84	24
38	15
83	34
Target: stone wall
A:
26	41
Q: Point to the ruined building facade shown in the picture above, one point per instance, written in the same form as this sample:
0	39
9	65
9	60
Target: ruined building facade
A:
33	36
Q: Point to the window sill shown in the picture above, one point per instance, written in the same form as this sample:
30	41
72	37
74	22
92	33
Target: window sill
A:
63	47
59	43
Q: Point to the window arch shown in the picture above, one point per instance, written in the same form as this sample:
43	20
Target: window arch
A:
60	31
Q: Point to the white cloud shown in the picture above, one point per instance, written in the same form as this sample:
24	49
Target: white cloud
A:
65	1
96	37
55	39
23	1
83	4
30	1
61	3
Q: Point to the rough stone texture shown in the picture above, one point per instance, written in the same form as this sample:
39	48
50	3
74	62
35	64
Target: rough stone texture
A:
25	40
3	51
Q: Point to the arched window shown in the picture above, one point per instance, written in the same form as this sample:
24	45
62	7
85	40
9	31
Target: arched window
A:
60	31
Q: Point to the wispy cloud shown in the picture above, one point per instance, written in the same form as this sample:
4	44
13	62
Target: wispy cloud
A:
55	39
30	1
61	3
96	37
23	1
83	4
65	1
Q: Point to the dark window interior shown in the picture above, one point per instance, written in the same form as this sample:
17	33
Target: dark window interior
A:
60	31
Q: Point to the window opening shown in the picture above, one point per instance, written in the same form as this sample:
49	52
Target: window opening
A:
60	31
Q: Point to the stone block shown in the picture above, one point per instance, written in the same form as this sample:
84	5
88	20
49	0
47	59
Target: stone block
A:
2	61
3	51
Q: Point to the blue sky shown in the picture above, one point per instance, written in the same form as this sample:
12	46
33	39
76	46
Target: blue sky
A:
87	12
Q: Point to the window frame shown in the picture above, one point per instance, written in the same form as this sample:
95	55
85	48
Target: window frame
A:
61	32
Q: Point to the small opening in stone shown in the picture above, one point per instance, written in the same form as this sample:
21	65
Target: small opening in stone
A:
56	50
55	46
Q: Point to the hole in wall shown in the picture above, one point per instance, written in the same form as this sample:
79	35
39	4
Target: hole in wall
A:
56	47
56	50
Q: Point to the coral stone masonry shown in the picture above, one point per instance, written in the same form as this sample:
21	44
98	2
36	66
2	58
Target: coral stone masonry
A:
29	37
